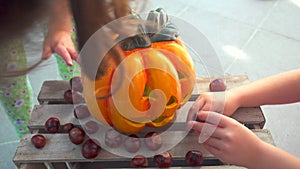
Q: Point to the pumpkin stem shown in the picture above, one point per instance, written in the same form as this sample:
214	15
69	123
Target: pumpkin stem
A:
160	28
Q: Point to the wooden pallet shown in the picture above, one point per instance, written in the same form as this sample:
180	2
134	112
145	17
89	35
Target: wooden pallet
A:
60	153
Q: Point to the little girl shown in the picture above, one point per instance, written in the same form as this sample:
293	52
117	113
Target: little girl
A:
16	94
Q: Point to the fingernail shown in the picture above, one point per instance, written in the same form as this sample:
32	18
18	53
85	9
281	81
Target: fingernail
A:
203	138
189	125
70	63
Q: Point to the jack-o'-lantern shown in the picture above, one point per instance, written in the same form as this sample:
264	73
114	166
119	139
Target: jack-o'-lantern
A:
157	77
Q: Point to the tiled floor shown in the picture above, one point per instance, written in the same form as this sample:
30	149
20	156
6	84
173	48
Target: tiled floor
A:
253	37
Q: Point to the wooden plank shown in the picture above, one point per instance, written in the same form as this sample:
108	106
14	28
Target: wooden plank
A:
52	91
94	166
59	149
41	113
64	112
42	166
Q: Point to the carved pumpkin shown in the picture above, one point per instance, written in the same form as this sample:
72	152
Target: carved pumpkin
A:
158	77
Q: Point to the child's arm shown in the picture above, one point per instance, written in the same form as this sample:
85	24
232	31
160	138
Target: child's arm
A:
270	156
233	143
278	89
58	38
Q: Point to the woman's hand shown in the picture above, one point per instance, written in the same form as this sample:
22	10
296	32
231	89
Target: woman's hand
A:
226	138
60	42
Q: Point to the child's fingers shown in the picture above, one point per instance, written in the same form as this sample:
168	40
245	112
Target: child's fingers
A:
193	111
63	52
73	53
47	52
215	118
206	130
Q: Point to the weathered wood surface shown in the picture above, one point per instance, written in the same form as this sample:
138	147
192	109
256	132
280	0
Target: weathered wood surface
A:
52	91
59	149
64	112
86	166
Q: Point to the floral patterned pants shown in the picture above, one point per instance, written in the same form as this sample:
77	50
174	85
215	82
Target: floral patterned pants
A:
16	94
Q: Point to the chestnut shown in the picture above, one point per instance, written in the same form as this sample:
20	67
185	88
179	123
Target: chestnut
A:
52	125
139	161
132	143
38	140
76	84
81	111
73	97
68	97
217	85
194	158
90	149
163	160
67	127
76	135
153	141
77	97
113	138
91	127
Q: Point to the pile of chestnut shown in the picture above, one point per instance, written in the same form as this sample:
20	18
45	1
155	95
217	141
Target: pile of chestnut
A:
165	159
76	134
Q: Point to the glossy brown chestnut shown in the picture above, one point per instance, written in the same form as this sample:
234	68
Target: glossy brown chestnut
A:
217	85
139	161
38	140
194	158
76	135
90	149
52	125
163	160
67	127
73	97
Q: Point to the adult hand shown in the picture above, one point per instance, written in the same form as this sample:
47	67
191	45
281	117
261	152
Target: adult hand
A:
61	43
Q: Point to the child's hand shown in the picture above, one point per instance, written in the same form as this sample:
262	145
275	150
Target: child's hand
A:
222	102
226	138
61	43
